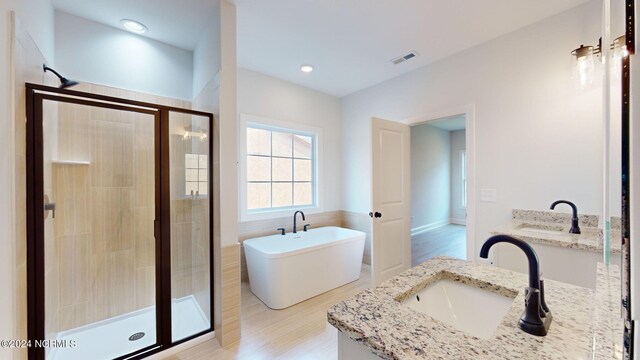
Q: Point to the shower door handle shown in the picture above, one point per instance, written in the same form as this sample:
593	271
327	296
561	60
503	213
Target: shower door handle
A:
50	207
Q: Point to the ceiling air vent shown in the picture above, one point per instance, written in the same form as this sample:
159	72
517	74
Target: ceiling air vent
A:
404	58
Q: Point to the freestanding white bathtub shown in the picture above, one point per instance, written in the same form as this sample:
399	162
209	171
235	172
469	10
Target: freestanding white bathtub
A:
287	269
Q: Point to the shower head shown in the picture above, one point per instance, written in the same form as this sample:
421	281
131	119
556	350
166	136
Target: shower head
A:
64	82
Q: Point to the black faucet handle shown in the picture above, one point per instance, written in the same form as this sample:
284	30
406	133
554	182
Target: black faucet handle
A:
531	314
281	231
305	227
543	303
534	320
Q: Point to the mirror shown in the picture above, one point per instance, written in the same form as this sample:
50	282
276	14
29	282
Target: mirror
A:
615	131
616	231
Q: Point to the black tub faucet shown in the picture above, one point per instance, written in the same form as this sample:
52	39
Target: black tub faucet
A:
575	228
295	215
536	317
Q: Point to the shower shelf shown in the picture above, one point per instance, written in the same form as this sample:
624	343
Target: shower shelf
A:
70	162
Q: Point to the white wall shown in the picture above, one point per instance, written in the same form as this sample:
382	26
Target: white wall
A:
206	56
537	138
265	96
617	20
228	126
430	176
87	51
458	143
37	18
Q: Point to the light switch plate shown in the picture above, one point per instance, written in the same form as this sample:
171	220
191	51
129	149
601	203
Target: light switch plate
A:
488	195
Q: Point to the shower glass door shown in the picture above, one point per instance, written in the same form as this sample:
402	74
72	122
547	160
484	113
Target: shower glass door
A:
119	224
99	182
189	144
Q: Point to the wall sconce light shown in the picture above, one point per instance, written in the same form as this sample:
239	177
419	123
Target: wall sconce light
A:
619	51
584	66
194	134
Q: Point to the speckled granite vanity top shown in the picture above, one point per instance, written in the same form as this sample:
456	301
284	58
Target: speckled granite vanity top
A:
552	228
376	319
608	321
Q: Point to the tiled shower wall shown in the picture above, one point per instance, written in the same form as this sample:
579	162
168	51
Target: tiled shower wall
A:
105	211
104	222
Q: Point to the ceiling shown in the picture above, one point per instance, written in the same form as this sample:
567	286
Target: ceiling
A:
449	124
178	23
349	42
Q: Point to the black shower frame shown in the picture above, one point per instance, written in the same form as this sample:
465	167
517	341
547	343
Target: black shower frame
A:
35	95
626	241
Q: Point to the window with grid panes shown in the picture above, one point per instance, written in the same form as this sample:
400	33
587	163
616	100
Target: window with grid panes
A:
280	169
196	174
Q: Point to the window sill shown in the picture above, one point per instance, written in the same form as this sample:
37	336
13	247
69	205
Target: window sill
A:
248	216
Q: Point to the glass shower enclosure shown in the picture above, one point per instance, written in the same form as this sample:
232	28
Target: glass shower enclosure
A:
118	225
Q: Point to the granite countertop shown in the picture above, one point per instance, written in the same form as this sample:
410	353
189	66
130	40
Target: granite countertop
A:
376	319
608	323
533	226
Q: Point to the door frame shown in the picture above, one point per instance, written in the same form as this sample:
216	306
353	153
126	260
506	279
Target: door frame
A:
35	95
469	113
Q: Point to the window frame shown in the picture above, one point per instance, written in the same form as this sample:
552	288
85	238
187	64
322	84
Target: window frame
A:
253	121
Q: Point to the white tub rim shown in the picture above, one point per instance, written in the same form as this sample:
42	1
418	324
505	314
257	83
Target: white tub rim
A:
356	236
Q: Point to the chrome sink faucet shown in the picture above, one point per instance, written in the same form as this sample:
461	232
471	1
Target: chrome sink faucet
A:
575	228
536	317
295	215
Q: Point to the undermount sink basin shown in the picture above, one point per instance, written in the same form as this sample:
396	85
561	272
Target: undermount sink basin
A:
467	308
542	228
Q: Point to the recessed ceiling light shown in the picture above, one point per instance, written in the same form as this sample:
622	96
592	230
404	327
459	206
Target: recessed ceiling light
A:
134	26
306	68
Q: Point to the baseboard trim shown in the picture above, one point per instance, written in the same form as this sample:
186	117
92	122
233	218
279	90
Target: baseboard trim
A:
458	221
433	225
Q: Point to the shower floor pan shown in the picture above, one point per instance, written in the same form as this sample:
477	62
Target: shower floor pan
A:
108	339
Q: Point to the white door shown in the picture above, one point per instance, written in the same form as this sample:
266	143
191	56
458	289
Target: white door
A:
391	191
